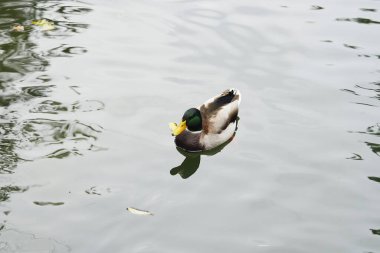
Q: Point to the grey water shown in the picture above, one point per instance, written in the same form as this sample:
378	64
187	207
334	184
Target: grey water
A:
85	107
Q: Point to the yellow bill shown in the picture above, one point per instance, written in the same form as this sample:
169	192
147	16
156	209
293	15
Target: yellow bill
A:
176	130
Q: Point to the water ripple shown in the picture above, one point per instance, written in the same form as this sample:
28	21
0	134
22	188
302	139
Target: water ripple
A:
73	10
55	107
30	139
15	241
6	190
37	91
368	9
65	50
369	92
365	21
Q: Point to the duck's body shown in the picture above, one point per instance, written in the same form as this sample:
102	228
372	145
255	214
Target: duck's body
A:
211	124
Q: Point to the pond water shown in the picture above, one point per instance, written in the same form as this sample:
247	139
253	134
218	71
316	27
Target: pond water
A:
84	112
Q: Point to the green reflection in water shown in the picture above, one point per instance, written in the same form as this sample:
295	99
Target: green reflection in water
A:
373	130
21	56
193	159
362	91
376	179
23	78
374	147
316	7
368	9
62	153
48	203
6	190
56	107
366	21
355	157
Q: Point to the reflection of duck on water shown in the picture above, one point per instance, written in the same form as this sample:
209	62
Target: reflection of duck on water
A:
193	159
206	130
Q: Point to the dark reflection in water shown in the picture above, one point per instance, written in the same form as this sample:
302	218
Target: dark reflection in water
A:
9	158
193	159
19	59
73	10
55	107
368	9
316	7
374	147
376	179
55	138
371	90
355	157
48	203
66	51
366	21
373	130
369	56
23	78
6	190
351	46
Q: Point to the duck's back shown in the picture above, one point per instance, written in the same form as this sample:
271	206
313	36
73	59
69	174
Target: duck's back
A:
219	118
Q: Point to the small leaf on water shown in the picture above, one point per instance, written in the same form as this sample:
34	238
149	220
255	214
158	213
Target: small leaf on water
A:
138	211
44	24
18	28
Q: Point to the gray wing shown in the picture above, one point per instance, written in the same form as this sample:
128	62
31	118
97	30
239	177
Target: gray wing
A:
219	112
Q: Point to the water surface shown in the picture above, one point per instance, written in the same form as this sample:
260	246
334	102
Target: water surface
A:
83	126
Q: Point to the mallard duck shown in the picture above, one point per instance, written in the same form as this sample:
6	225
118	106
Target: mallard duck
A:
209	125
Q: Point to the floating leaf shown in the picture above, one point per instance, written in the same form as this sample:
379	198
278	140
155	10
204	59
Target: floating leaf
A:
17	28
44	24
138	211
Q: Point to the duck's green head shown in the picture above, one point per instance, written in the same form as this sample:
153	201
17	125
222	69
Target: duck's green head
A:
192	120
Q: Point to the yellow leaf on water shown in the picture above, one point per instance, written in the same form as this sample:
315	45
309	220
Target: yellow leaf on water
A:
138	211
40	22
44	24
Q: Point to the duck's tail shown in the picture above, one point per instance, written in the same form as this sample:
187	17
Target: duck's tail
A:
227	97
